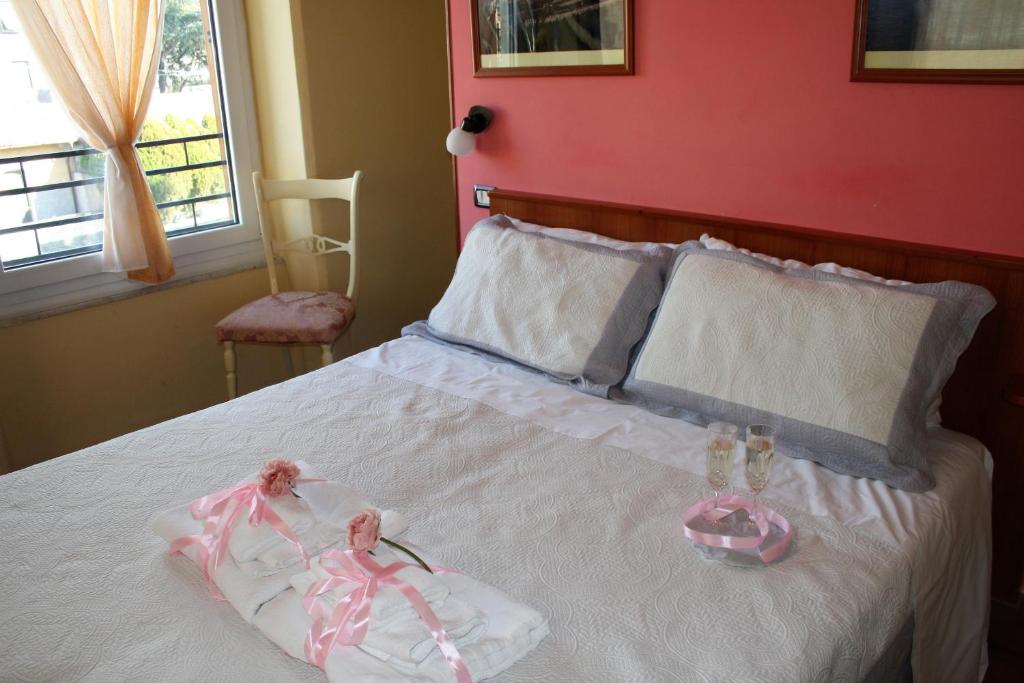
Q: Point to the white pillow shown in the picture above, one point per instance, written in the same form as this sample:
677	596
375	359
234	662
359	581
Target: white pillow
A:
572	309
792	264
845	369
934	418
582	236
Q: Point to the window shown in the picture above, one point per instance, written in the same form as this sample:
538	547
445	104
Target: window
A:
57	206
195	145
7	19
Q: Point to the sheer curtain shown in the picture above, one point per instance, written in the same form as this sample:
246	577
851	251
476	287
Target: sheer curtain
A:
102	56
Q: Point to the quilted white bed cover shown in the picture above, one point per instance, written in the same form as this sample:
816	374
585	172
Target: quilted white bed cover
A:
567	502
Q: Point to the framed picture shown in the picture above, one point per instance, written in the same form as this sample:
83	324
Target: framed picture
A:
552	37
941	41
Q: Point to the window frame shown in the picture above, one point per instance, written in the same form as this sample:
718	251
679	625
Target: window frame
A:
78	281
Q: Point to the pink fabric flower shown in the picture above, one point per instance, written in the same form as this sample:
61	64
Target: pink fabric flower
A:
364	530
278	477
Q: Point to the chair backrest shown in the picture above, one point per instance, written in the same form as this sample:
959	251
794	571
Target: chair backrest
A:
318	245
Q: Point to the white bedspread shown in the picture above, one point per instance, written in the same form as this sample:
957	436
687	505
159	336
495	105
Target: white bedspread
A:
522	483
946	532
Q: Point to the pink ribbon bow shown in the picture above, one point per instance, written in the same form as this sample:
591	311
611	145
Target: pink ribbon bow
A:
348	623
213	539
762	516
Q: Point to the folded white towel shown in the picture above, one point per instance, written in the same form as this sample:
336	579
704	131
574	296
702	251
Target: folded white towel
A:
388	604
511	632
328	506
407	639
246	593
324	534
318	502
248	542
332	501
248	585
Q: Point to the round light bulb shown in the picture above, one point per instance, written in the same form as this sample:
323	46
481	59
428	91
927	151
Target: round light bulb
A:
460	143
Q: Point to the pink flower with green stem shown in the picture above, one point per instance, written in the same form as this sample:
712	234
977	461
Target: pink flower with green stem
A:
364	535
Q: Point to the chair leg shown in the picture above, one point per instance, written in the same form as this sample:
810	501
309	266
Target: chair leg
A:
326	355
229	365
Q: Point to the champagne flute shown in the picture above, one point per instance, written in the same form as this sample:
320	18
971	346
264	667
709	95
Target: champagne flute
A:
721	450
760	454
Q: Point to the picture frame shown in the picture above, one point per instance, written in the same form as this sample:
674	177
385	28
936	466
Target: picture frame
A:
943	41
552	37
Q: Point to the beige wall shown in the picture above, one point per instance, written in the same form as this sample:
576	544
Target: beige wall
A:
376	98
346	85
339	85
278	90
76	379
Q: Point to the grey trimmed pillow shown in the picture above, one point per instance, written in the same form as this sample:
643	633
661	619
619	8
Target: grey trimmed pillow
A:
570	309
844	368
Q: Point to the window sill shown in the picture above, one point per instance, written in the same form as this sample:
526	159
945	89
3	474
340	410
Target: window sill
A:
94	289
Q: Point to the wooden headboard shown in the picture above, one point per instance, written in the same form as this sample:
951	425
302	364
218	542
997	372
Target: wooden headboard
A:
981	399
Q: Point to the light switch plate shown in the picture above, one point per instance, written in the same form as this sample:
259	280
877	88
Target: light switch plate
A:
481	195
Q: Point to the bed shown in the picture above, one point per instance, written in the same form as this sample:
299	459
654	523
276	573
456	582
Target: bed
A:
566	501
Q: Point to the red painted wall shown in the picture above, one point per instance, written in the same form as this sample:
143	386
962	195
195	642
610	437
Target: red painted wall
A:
745	109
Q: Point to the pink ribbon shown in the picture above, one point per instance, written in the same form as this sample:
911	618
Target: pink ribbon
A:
350	620
762	516
213	539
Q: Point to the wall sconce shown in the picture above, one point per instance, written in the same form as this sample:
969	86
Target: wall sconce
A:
462	140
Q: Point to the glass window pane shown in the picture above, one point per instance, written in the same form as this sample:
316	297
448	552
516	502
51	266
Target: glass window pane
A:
205	150
18	245
71	236
161	156
53	204
10	177
185	90
177	218
214	211
89	165
90	198
46	171
14	209
169	187
8	20
48	205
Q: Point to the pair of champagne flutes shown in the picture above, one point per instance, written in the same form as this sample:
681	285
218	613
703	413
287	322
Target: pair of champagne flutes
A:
760	452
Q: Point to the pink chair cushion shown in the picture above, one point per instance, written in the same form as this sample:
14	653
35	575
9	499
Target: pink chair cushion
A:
299	317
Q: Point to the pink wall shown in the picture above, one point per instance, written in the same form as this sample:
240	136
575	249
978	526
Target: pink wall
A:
745	109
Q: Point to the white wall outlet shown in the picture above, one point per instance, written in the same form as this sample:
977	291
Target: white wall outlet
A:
482	195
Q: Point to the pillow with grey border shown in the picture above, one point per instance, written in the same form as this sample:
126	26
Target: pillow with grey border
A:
571	309
844	369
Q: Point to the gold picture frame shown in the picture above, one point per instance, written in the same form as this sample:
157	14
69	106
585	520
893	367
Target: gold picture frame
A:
944	41
552	37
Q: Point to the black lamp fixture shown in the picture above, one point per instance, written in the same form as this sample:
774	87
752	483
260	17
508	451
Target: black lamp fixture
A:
462	140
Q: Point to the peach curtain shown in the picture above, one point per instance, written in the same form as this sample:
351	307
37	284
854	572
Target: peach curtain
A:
102	56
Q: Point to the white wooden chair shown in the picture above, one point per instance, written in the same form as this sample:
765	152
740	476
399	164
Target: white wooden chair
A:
296	318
